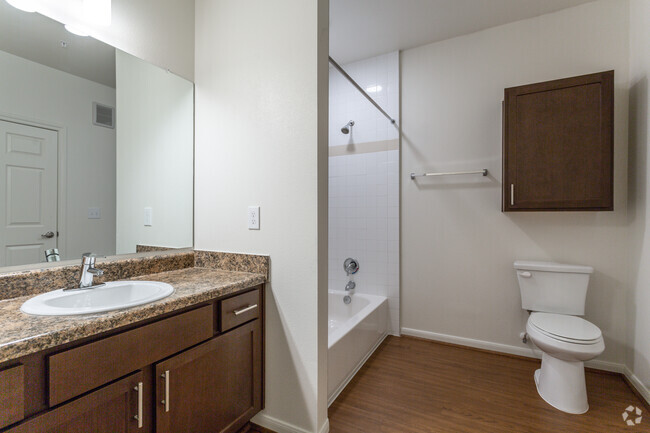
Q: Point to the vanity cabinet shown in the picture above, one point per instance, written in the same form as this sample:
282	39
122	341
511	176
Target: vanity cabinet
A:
12	398
212	388
111	409
177	373
558	145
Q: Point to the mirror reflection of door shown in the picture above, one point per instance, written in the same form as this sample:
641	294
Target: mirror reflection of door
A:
28	193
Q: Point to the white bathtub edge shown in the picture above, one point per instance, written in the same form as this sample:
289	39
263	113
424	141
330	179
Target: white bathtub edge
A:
354	371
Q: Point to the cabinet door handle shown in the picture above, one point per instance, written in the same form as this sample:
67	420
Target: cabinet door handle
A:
165	375
512	194
140	405
245	309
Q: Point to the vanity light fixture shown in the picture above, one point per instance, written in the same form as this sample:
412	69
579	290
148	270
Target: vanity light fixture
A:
91	13
76	30
23	5
97	12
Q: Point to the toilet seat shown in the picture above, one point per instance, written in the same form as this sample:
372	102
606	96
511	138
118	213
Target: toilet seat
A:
565	328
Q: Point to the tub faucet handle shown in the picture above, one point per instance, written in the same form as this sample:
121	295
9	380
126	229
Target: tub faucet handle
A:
350	266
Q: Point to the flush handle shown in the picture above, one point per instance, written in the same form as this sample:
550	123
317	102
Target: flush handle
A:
525	274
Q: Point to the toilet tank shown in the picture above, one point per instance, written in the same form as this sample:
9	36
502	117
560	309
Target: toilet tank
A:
553	287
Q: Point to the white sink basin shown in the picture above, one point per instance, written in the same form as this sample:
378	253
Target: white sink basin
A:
113	296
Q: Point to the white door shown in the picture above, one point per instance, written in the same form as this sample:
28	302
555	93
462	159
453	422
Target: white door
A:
28	193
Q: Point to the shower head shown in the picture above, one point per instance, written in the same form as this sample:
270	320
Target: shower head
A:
346	128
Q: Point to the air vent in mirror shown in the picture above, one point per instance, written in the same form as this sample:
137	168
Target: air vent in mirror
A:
103	115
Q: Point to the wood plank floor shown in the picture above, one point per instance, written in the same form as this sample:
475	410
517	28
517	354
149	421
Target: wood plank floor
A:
416	386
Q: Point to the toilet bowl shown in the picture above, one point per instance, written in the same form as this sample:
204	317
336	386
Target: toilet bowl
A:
566	343
555	294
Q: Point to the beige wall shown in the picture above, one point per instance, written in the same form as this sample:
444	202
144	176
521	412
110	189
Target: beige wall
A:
458	247
638	319
261	139
155	156
158	31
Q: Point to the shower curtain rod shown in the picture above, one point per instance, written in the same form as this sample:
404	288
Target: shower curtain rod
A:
360	89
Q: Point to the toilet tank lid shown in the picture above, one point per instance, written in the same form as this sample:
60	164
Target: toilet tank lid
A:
522	265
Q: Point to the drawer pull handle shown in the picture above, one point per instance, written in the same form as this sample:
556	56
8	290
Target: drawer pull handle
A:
139	416
245	310
165	375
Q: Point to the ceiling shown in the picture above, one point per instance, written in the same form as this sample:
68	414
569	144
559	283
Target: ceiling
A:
39	39
365	28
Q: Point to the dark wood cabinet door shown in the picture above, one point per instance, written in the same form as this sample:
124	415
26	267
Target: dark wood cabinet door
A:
558	145
212	388
110	409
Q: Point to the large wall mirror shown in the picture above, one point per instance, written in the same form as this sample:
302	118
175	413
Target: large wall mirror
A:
96	147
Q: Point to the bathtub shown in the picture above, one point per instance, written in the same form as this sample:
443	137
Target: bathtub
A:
355	331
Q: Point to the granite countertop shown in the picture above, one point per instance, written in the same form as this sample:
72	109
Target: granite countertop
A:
23	334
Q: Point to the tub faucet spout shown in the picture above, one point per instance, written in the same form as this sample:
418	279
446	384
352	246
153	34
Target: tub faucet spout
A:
350	286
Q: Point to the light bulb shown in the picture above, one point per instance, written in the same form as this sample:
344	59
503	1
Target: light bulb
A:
23	5
75	30
97	12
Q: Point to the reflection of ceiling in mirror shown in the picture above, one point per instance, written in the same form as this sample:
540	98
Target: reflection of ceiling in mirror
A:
39	39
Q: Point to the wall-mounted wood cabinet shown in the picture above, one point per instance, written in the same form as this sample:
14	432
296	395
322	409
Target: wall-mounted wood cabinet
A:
558	145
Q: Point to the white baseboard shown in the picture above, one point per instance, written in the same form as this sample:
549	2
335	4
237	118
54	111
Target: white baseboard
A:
529	351
356	369
326	426
276	425
279	426
636	383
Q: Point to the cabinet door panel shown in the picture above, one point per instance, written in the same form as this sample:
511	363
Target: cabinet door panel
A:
558	145
214	387
108	410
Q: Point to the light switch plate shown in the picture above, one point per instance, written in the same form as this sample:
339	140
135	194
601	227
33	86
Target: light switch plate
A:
94	213
253	217
148	216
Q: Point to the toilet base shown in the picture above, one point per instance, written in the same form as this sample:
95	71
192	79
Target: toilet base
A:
562	384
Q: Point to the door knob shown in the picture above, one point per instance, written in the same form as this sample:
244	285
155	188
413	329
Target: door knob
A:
48	235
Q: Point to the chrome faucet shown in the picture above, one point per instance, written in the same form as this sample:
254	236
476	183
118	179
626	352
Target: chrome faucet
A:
350	286
89	271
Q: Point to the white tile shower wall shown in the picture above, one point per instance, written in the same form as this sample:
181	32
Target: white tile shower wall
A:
364	187
380	77
364	224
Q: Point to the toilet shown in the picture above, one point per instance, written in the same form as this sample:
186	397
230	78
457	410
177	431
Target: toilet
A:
555	294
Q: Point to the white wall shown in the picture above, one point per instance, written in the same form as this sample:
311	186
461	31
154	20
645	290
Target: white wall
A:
457	276
37	93
155	155
158	31
261	139
638	317
364	180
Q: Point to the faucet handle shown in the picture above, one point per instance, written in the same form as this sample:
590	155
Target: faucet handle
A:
89	258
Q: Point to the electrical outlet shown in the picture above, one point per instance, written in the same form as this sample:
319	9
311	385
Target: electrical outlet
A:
148	216
253	217
94	213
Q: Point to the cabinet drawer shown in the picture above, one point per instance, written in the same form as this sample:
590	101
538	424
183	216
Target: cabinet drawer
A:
112	408
239	309
12	395
84	368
